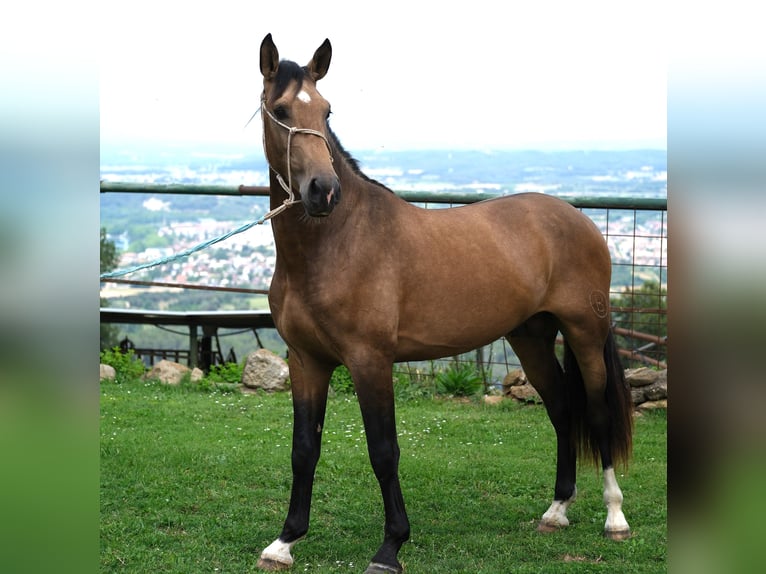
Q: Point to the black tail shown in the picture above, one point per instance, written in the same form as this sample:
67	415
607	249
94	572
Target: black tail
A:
619	402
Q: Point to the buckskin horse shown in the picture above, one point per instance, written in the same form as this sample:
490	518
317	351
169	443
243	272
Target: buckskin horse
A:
365	279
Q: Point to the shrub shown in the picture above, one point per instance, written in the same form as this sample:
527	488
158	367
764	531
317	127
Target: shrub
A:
459	380
341	380
127	366
230	373
407	388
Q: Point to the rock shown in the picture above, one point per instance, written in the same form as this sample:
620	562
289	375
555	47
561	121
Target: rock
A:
516	385
647	384
653	405
643	376
265	370
106	372
637	395
657	391
168	372
514	378
525	393
197	375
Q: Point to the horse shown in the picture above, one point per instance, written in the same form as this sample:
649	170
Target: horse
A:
365	279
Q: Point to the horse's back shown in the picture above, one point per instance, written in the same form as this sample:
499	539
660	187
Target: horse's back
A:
527	211
524	231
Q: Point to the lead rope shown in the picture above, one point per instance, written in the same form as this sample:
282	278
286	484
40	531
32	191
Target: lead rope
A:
291	130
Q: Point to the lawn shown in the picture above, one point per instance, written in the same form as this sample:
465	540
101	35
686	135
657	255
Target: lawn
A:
198	481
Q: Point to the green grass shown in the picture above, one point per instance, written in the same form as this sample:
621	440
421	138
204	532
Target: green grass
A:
197	481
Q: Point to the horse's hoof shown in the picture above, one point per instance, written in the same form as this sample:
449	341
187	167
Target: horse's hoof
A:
618	535
377	568
548	527
272	565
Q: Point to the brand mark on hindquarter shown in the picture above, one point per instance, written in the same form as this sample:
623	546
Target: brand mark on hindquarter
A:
599	303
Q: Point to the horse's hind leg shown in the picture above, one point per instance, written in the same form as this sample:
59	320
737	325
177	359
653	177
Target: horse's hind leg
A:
372	381
608	411
533	342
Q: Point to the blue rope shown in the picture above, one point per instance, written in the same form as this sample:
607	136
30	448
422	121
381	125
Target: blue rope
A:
184	253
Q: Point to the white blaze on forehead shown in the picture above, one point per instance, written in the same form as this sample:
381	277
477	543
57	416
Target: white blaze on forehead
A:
304	97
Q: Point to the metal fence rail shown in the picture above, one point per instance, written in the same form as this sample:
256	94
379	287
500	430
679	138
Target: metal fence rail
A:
635	230
413	196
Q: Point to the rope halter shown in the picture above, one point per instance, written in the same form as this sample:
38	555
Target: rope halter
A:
291	131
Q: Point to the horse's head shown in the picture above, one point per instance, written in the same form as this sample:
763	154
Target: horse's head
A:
295	131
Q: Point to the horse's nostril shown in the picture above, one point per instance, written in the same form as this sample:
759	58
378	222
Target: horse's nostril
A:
333	195
326	188
323	194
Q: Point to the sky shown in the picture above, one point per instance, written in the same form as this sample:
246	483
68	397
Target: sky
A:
404	75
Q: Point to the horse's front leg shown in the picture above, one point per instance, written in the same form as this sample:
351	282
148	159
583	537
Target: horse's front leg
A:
374	387
309	381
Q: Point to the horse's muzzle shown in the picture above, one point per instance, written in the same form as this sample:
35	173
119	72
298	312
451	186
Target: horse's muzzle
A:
321	196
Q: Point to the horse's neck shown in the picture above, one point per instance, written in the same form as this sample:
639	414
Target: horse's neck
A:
304	241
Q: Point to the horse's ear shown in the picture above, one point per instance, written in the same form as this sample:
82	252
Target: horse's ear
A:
320	63
269	58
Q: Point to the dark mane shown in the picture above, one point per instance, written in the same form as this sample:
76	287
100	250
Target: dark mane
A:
352	162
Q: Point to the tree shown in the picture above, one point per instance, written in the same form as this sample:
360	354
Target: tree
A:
109	256
109	260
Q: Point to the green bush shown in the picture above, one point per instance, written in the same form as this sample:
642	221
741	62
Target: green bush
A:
341	380
459	380
230	373
407	388
127	366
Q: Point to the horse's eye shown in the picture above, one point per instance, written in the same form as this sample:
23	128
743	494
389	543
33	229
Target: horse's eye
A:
280	112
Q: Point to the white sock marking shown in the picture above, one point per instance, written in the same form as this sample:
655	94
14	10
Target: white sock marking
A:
279	552
556	515
615	519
